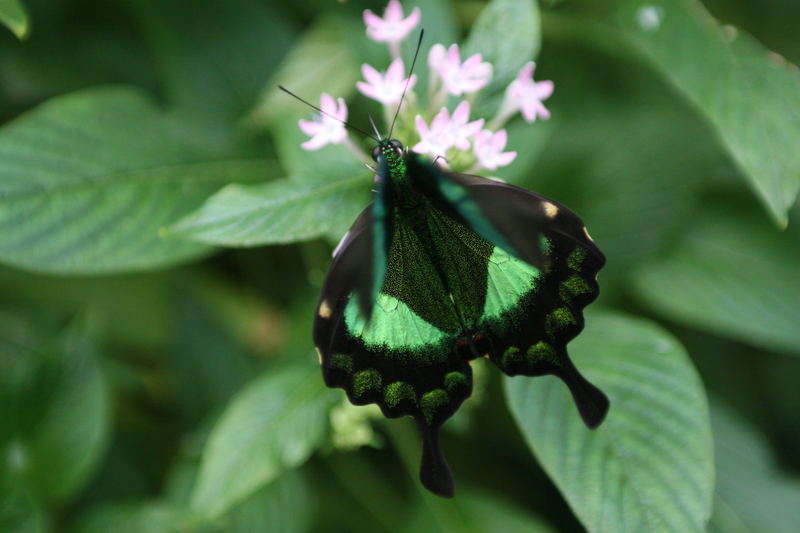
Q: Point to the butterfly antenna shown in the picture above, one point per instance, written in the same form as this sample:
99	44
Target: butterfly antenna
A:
375	128
312	106
410	71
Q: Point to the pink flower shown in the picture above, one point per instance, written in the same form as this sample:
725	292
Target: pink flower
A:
527	95
385	88
489	147
459	78
446	131
392	28
325	129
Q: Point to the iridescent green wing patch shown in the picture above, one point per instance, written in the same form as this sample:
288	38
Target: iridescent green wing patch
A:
404	357
530	336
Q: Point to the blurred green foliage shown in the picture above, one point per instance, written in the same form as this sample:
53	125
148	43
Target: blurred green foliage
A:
151	381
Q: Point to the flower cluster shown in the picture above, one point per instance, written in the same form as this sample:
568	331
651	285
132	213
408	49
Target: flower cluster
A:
471	144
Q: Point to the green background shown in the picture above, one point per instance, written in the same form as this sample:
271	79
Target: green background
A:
163	239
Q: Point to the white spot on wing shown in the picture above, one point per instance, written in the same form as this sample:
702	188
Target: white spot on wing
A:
319	355
551	210
324	309
586	232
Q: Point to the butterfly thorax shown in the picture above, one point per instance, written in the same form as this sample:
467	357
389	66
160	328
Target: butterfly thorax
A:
391	158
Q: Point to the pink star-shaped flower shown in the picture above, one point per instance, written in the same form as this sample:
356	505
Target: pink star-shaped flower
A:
325	129
446	131
392	28
488	148
386	88
459	78
527	95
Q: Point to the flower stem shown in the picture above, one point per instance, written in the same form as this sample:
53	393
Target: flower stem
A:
394	50
506	111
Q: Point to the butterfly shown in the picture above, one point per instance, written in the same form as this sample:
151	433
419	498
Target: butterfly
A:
441	269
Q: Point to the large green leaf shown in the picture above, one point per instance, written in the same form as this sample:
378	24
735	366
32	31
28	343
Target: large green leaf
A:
206	365
518	22
88	179
274	424
284	505
750	96
649	466
215	56
13	15
133	517
320	61
731	273
18	511
475	511
278	212
59	423
752	495
132	308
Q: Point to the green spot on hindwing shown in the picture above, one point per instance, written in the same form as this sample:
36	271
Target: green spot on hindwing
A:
558	320
366	382
511	356
341	361
541	352
572	287
576	257
546	245
456	383
432	403
399	392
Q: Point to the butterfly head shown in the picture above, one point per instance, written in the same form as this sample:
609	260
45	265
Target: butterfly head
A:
391	149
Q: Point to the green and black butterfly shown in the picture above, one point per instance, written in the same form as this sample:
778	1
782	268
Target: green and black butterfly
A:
443	268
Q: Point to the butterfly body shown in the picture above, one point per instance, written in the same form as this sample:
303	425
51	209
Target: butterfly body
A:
444	268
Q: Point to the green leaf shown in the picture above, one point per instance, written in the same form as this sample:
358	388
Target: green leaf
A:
476	511
62	416
320	61
278	212
649	466
730	273
13	15
88	179
749	95
206	366
507	34
215	56
617	155
330	163
133	517
273	425
18	511
529	141
130	308
752	495
284	505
